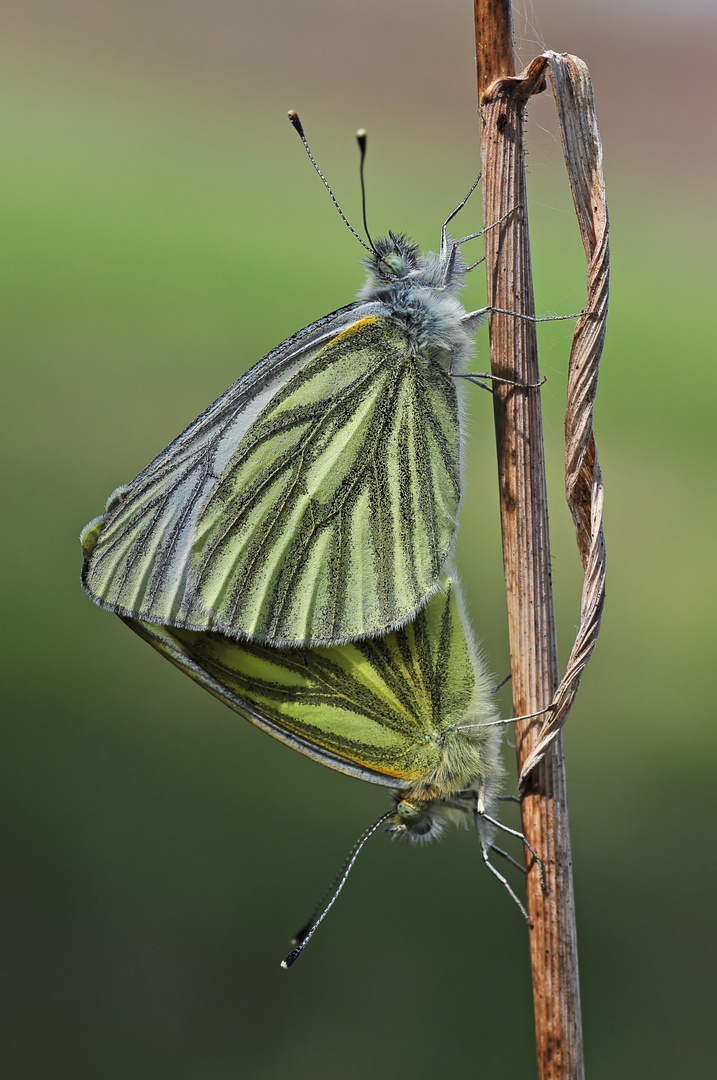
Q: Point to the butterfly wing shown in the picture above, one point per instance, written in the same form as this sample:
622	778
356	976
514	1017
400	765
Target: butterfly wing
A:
315	502
378	708
137	553
336	514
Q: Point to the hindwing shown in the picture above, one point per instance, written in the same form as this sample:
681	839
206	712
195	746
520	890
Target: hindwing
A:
382	709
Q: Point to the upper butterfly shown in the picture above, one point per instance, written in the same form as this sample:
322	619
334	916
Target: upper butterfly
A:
315	502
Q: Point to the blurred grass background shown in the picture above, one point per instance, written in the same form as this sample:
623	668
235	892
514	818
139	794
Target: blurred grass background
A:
162	230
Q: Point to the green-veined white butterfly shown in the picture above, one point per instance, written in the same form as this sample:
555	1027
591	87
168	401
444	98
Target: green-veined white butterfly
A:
406	710
315	502
411	711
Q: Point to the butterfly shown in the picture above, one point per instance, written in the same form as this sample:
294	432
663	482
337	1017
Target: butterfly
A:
412	711
406	711
315	502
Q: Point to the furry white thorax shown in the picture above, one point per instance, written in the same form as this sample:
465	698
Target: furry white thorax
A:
421	295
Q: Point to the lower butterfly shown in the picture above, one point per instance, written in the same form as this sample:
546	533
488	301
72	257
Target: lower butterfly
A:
315	502
404	711
411	711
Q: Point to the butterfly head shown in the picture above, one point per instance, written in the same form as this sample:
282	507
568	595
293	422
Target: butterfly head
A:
419	818
397	267
394	257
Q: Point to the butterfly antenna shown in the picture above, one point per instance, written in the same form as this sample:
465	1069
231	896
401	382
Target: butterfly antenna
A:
361	136
298	127
301	940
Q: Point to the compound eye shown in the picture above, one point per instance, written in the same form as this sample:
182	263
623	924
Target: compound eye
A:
393	264
409	815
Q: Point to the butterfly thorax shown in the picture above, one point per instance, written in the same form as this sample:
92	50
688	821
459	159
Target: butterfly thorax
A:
466	770
417	293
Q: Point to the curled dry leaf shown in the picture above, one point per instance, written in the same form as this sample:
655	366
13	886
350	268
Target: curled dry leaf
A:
583	480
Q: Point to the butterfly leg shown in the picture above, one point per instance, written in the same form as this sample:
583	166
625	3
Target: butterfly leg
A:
509	858
448	256
484	850
519	315
481	815
476	376
481	232
449	219
472	319
515	832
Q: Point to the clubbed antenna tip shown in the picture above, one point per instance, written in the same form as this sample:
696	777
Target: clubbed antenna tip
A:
296	122
361	135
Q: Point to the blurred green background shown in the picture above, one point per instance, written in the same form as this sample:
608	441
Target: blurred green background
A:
162	230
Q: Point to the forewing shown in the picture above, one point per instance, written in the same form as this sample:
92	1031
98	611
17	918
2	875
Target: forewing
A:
373	708
138	553
314	502
335	516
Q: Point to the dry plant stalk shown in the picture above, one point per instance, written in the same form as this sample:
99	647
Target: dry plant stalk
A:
503	97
